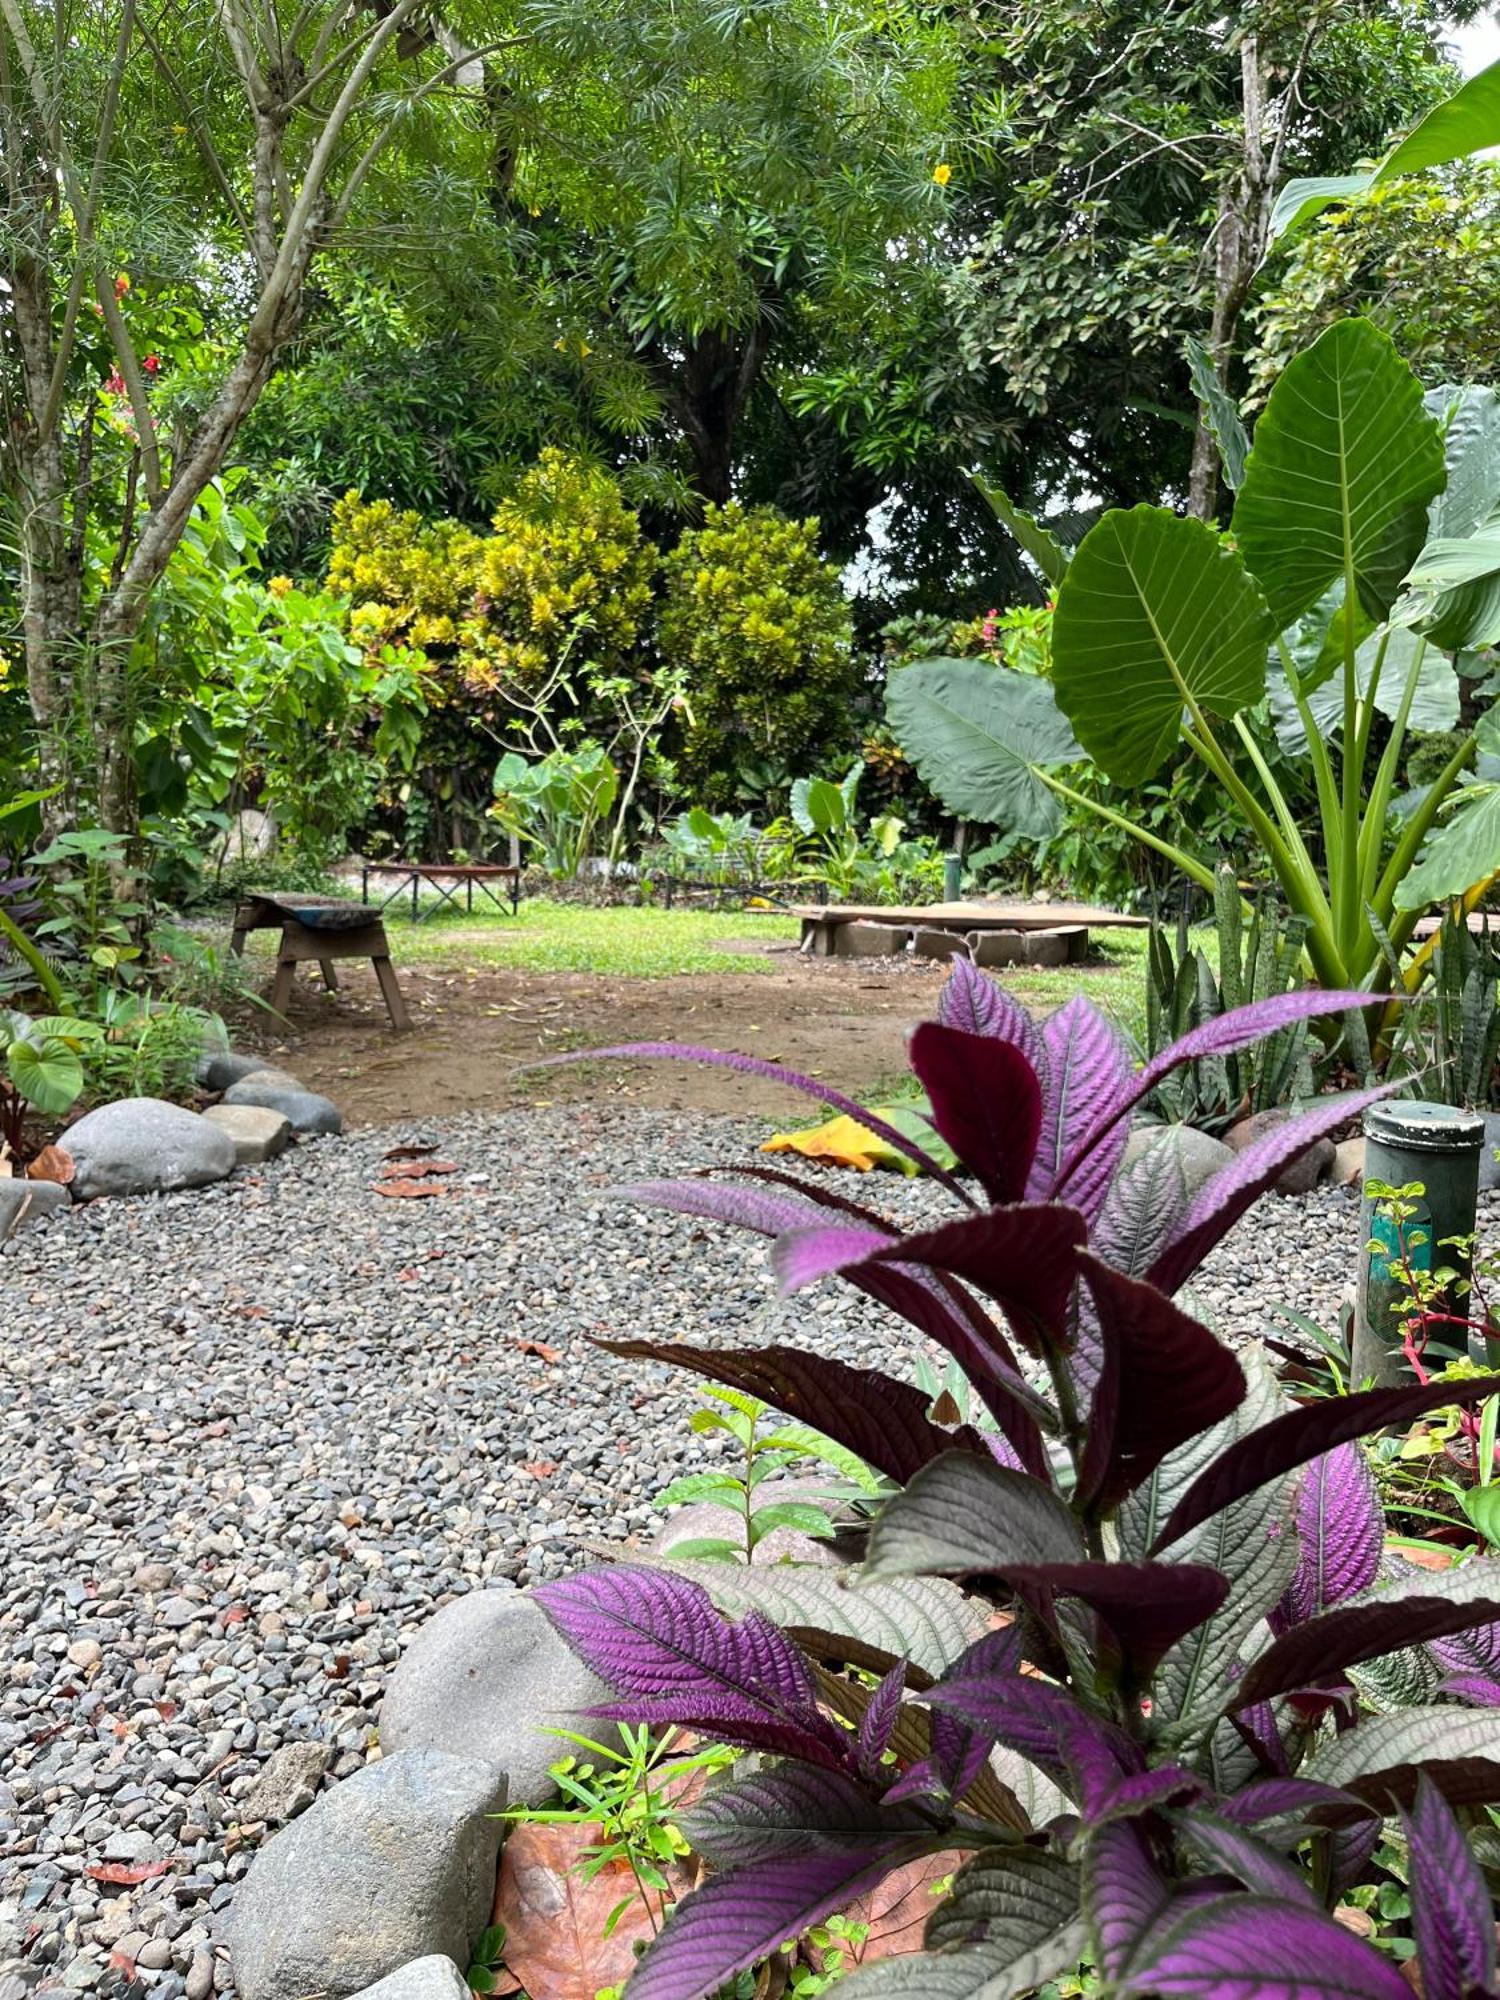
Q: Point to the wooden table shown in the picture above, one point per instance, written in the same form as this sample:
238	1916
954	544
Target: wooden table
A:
448	880
821	922
317	931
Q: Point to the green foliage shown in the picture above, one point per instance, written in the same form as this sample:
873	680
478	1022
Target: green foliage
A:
1255	962
43	1071
407	579
760	627
556	802
1448	1037
146	1046
766	1454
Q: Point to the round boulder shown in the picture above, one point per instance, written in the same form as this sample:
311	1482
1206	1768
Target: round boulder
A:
277	1090
488	1677
143	1145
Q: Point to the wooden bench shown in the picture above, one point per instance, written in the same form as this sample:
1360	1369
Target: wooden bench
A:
317	931
821	923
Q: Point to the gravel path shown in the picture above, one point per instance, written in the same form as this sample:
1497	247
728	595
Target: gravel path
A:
249	1437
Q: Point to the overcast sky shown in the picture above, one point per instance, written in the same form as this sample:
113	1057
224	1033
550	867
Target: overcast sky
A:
1479	45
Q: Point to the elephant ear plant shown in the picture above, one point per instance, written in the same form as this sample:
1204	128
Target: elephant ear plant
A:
1358	586
1148	1755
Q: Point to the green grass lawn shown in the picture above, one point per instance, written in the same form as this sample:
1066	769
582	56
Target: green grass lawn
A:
647	943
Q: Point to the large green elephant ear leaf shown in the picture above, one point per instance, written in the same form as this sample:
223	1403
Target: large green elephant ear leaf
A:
1039	542
1155	615
1344	465
979	735
1465	849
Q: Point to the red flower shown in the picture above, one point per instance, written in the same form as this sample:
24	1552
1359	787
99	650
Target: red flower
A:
152	364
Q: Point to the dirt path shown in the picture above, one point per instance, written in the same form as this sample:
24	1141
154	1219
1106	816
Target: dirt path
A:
843	1020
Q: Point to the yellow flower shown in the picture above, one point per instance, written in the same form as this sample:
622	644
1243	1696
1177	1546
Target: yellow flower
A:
942	174
279	586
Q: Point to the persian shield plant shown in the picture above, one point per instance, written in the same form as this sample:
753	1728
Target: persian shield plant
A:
1148	1750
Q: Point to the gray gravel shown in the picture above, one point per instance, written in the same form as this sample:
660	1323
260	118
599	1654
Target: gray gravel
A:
250	1436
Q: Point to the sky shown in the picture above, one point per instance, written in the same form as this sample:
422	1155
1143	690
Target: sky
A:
1478	45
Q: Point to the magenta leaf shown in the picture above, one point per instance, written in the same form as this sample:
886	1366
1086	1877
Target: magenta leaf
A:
739	1918
1162	1379
1451	1917
1340	1534
1088	1072
985	1101
1025	1257
884	1421
960	1753
1261	1948
1224	1198
1221	1036
1403	1614
1301	1435
979	1005
1123	1893
1025	1714
724	1201
776	1073
658	1639
1148	1607
1478	1690
1282	1798
1349	1851
789	1810
879	1719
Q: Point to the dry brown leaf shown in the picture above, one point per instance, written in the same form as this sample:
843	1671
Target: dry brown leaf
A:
898	1908
540	1349
410	1152
52	1163
554	1920
125	1874
541	1468
420	1170
410	1190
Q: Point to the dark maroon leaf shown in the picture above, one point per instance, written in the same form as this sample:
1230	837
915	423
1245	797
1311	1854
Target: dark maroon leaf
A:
1349	1850
979	1005
1123	1893
1088	1071
1025	1257
1147	1606
658	1639
1301	1435
1451	1917
1261	1948
984	1100
739	1918
883	1420
777	1073
1163	1378
1222	1200
1340	1535
963	1515
1404	1614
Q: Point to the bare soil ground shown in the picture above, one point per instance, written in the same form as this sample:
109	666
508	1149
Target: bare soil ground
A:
474	1030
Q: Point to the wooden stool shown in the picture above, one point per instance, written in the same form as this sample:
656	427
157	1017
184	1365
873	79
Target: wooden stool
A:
315	931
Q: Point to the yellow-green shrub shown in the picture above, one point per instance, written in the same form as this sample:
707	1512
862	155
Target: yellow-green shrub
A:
406	579
761	624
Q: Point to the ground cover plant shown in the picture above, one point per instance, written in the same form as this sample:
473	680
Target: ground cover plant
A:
1150	1756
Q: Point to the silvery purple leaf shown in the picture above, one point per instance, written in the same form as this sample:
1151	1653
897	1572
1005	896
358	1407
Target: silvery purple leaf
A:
1340	1535
1145	1203
979	1005
1302	1435
884	1421
879	1719
1349	1849
1025	1714
725	1201
1278	1798
776	1073
1260	1948
1478	1690
1088	1071
960	1753
1025	1257
1229	1849
1451	1916
1256	1723
1235	1189
920	1780
788	1810
985	1101
1221	1036
1123	1893
1147	1607
734	1920
658	1639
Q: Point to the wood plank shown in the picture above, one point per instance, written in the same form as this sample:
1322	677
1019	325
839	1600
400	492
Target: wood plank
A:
975	916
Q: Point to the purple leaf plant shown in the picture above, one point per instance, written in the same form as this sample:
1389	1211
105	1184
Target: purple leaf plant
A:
1183	1577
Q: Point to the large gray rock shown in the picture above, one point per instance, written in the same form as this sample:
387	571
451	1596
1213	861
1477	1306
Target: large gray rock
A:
487	1677
431	1978
143	1145
1199	1154
258	1134
219	1068
286	1784
24	1202
393	1864
275	1090
1305	1172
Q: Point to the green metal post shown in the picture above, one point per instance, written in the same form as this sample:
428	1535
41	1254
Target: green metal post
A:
953	877
1407	1142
